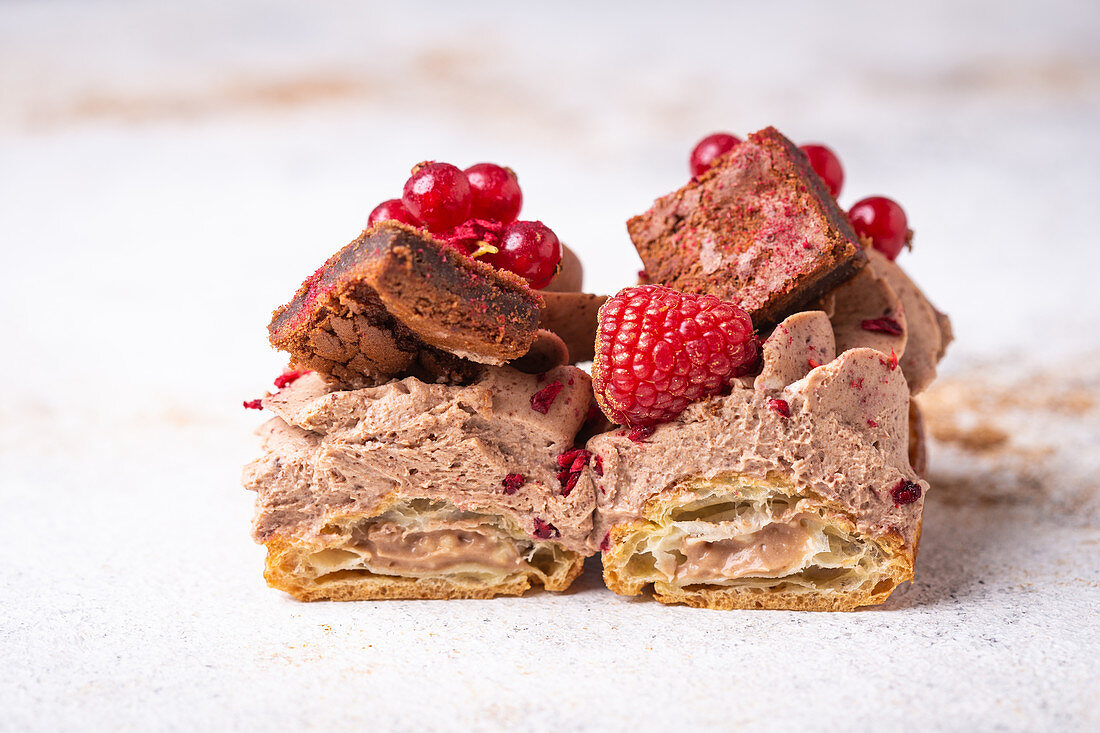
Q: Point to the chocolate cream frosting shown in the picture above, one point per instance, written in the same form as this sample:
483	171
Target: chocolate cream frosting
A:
883	290
332	452
845	441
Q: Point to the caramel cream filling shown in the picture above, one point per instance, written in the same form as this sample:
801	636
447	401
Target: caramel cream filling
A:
391	549
422	538
774	551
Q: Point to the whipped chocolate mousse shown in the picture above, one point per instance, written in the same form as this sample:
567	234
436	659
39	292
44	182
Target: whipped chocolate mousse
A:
882	308
758	229
573	317
415	490
568	311
793	493
928	330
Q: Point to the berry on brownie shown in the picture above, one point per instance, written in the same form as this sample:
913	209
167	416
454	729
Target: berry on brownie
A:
496	193
710	148
392	210
531	250
438	194
474	212
883	221
825	164
658	350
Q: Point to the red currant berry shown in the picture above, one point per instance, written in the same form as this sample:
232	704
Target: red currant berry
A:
495	191
392	210
709	148
531	250
827	165
438	194
882	221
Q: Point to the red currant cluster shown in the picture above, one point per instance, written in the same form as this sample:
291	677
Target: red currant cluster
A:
474	211
877	218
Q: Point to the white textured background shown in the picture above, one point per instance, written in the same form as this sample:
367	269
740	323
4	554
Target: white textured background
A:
170	172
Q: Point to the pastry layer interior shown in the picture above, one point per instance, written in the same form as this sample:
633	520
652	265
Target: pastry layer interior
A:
420	539
742	532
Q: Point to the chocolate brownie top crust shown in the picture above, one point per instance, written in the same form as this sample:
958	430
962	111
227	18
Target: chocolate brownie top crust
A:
758	229
395	298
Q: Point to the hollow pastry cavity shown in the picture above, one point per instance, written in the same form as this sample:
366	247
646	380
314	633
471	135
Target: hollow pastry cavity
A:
419	548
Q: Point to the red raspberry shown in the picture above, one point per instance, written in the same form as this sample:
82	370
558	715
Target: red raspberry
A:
780	407
544	530
571	463
289	377
659	350
544	398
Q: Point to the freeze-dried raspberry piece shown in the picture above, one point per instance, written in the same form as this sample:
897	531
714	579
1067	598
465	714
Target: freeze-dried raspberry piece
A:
568	481
782	407
905	492
544	398
544	530
574	459
289	377
882	325
512	482
572	462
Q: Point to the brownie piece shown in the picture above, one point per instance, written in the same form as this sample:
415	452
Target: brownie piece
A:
395	301
758	229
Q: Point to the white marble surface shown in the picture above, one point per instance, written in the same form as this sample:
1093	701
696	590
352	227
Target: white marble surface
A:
170	172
